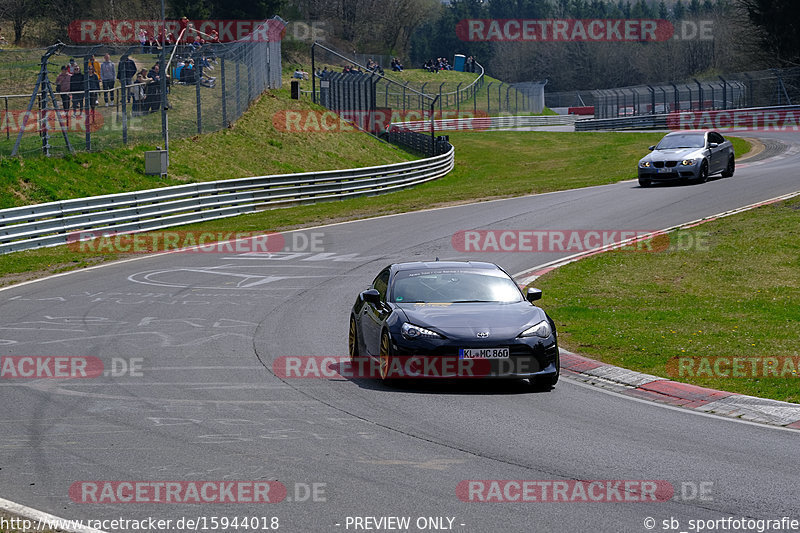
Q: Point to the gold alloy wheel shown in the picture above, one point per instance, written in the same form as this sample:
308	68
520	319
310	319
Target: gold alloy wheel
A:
352	341
385	357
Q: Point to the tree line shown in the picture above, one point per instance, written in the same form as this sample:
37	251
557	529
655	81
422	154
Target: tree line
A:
745	34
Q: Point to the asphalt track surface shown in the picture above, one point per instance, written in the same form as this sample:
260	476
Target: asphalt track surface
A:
206	328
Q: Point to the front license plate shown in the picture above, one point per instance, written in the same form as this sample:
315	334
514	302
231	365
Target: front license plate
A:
483	353
664	170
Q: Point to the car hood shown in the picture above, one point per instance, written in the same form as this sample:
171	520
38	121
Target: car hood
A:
674	154
465	320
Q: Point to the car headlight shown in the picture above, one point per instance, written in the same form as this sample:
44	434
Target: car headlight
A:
688	162
411	331
644	164
542	329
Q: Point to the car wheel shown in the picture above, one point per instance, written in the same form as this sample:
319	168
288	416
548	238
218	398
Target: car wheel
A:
644	183
730	169
352	341
703	177
386	359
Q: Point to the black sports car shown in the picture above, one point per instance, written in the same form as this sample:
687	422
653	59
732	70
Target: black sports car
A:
452	319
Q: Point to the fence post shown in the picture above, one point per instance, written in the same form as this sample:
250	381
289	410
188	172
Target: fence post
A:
499	102
224	93
123	97
197	96
440	98
238	91
458	97
489	98
43	121
724	93
676	97
86	105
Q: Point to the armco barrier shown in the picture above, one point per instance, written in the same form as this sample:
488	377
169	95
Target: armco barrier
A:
489	123
673	121
639	122
37	226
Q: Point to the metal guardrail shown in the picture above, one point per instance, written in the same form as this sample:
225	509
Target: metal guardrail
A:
489	123
53	223
710	119
640	122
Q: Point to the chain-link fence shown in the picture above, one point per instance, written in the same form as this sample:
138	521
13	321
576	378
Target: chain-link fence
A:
749	89
402	96
53	104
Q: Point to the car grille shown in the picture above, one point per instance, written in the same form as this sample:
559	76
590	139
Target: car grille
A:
662	164
515	350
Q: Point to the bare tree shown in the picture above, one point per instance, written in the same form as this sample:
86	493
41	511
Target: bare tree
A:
20	13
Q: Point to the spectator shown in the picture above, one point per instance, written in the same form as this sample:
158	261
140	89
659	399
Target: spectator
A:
188	74
143	40
470	64
94	87
125	73
108	77
93	62
178	69
72	66
63	86
77	85
153	96
170	39
139	91
396	65
373	66
2	39
300	74
197	43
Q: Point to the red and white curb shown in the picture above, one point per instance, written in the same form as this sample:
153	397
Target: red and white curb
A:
658	389
655	388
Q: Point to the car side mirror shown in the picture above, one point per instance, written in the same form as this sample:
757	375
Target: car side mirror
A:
533	294
371	296
713	145
651	148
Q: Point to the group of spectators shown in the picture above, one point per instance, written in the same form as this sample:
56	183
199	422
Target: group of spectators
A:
373	66
143	85
396	65
440	63
72	80
469	64
151	43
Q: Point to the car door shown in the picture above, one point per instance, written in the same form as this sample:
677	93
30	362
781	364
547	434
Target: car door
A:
373	315
718	158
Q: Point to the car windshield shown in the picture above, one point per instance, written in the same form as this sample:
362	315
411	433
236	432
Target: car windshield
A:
454	286
693	140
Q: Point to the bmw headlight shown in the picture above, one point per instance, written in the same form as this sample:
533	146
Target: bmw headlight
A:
411	331
688	162
542	329
644	164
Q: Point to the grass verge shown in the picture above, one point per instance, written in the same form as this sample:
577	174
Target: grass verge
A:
734	293
531	162
251	147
